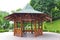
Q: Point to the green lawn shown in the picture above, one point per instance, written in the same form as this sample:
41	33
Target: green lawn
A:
54	26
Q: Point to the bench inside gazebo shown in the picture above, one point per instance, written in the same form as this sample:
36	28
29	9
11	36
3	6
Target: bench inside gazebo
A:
28	15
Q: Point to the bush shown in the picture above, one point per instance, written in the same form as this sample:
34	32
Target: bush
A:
2	30
51	30
45	30
57	31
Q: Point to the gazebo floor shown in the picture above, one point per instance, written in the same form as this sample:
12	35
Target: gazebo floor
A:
29	36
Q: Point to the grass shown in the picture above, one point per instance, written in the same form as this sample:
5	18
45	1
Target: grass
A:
53	27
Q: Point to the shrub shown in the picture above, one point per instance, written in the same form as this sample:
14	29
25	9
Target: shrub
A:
2	30
57	31
45	30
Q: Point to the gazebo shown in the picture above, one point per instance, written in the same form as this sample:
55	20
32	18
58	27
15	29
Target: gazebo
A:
28	14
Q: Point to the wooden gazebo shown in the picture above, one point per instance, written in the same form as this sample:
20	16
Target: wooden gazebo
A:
28	16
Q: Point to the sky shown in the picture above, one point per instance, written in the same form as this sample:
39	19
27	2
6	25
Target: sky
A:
9	5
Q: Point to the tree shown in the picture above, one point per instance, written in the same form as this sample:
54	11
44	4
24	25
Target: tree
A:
3	23
50	7
16	10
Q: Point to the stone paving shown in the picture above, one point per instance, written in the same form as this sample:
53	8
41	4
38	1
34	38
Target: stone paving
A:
29	36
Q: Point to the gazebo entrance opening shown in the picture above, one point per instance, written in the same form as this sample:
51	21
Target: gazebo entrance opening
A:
28	27
34	27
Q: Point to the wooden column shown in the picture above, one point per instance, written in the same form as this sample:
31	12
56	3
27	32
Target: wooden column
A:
21	28
38	25
35	30
15	27
31	28
40	28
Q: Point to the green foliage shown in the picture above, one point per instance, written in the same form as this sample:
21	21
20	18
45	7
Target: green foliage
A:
2	30
19	9
54	27
51	7
18	24
3	23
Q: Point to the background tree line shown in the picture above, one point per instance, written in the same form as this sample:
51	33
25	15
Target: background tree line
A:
51	7
5	25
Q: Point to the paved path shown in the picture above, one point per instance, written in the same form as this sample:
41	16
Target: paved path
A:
45	36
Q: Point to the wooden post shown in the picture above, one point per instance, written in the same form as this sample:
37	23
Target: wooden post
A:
40	28
21	28
31	28
35	30
41	32
38	25
15	26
